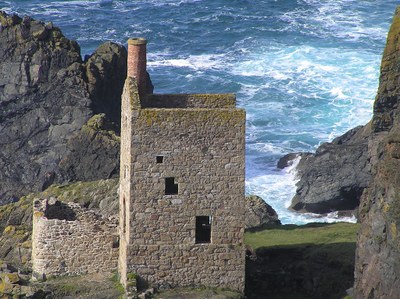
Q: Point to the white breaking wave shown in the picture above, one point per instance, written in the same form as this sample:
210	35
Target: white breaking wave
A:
195	62
277	189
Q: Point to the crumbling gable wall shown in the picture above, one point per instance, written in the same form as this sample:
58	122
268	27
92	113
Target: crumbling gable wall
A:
68	239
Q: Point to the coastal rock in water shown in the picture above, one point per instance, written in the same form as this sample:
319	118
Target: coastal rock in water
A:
287	160
259	213
334	178
47	94
377	271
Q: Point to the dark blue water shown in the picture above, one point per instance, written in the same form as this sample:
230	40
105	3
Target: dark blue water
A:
305	71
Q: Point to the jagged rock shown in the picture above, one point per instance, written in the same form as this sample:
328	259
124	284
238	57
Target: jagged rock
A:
47	94
259	213
377	270
334	178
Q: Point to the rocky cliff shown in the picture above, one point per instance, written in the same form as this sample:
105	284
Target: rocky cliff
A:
377	271
47	95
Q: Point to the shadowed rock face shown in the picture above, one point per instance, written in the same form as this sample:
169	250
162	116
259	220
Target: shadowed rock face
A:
47	94
377	271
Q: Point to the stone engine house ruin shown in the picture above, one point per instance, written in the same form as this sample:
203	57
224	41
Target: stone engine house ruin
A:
182	204
181	184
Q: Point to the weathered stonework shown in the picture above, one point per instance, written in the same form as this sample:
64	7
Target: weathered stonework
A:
68	239
182	156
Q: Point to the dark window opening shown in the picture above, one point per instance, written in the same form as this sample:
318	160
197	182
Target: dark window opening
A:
115	242
203	229
159	159
170	186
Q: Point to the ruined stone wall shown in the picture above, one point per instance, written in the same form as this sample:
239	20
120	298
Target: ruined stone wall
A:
203	150
68	240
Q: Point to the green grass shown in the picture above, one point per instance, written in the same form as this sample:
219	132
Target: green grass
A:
81	192
291	235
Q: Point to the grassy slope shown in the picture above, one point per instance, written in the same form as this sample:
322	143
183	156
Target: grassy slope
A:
314	233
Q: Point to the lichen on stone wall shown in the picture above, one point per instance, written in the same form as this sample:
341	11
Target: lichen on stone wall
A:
161	117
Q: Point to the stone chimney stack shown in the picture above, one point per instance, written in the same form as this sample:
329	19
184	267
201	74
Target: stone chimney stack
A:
137	62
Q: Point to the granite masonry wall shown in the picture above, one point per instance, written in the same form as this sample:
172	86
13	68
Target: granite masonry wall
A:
68	239
202	151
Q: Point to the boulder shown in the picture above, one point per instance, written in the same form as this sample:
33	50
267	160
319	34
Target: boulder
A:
259	213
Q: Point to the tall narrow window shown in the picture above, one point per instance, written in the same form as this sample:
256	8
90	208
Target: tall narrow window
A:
170	186
203	229
123	215
115	242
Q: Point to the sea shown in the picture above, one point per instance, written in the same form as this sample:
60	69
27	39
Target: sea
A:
306	71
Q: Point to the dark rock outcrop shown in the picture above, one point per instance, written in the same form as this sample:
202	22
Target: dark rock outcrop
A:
47	94
43	100
259	213
334	178
377	270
